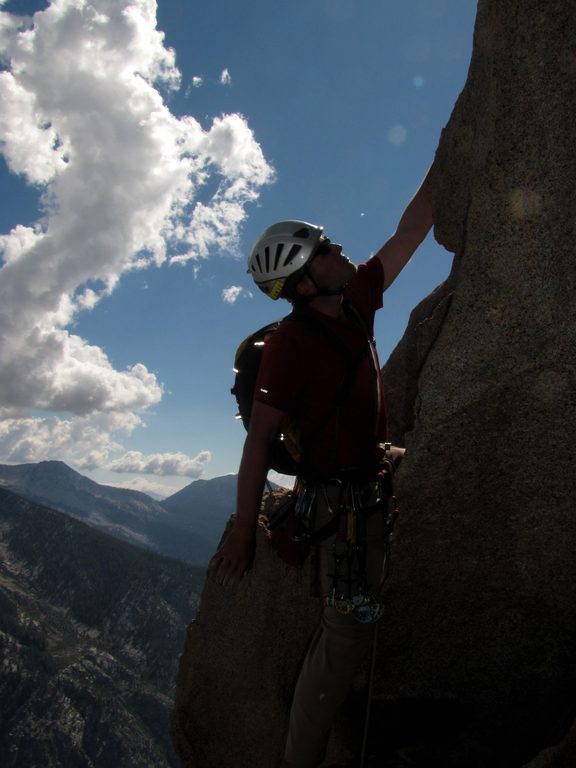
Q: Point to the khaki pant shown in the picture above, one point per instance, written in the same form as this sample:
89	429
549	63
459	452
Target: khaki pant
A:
338	648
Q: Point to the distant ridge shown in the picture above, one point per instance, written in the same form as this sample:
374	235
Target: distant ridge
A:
91	629
205	504
187	525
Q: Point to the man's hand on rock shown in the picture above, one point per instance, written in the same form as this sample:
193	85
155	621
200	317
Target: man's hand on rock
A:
234	557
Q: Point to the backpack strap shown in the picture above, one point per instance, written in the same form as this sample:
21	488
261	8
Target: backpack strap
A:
351	309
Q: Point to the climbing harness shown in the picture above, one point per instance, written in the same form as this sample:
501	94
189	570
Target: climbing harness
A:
351	592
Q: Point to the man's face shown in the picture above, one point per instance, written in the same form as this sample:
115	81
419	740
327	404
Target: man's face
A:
329	267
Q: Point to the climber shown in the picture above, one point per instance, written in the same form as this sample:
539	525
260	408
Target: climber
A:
335	399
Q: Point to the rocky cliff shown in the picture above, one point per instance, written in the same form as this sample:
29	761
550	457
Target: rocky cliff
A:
90	629
483	599
476	659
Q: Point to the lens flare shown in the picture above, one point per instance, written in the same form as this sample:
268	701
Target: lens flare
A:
397	135
525	203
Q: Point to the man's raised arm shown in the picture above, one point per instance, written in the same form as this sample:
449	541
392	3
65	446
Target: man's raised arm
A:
413	227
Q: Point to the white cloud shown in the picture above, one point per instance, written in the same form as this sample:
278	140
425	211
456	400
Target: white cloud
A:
233	293
85	442
230	148
285	481
82	117
145	485
225	77
197	81
88	443
161	463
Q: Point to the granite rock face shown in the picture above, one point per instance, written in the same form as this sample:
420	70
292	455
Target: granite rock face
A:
476	662
240	665
483	604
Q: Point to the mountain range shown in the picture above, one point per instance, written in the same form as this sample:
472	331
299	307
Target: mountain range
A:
91	629
187	525
97	586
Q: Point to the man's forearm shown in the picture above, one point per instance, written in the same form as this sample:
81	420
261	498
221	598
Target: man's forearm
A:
416	220
264	426
251	478
236	552
412	228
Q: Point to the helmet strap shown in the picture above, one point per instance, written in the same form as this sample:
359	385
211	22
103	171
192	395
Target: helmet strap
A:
320	291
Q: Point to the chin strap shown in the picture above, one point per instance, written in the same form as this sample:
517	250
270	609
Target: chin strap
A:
327	291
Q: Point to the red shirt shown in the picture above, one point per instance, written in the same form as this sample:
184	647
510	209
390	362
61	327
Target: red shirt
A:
302	372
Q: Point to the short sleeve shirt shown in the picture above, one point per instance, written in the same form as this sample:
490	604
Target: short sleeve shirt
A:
302	373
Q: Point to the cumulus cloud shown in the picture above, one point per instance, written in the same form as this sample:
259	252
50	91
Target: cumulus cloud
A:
161	463
233	293
225	78
197	81
82	117
153	488
86	442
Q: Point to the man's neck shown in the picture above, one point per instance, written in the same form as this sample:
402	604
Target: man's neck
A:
327	305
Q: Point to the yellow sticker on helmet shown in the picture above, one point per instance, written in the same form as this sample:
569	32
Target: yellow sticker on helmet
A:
276	289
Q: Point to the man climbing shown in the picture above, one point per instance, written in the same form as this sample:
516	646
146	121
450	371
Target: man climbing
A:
331	392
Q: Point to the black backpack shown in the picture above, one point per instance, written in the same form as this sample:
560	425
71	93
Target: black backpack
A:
246	367
285	451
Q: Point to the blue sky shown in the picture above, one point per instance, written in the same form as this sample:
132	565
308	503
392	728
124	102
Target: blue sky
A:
145	146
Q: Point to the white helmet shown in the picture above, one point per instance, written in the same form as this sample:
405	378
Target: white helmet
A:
280	251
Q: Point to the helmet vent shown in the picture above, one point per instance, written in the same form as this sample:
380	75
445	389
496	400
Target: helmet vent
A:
259	262
294	251
279	249
267	259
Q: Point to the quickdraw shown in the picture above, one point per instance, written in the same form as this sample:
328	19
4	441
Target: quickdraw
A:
350	591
